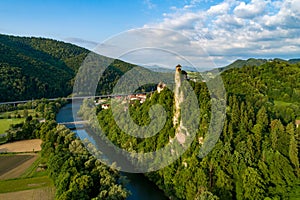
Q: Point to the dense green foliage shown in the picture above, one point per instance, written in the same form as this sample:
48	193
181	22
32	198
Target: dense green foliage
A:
75	172
36	68
28	128
141	118
32	68
255	62
241	63
257	155
274	84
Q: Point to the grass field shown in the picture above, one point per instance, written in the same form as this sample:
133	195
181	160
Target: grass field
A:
45	193
5	123
2	139
11	117
14	114
13	185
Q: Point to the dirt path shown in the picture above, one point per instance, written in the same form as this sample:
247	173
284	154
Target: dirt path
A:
22	146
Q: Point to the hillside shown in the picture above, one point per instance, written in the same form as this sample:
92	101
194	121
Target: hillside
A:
277	79
257	154
255	157
241	63
293	61
33	68
256	62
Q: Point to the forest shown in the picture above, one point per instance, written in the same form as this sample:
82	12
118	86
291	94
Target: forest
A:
76	174
257	155
35	68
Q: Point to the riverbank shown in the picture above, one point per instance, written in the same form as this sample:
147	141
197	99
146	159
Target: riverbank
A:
141	187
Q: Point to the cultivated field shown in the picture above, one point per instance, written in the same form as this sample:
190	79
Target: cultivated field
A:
13	166
21	178
46	193
22	146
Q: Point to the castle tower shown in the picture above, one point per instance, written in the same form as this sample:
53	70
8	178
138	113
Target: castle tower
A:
178	68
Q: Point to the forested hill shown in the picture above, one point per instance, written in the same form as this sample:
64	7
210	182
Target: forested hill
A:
36	67
33	68
278	80
256	62
255	157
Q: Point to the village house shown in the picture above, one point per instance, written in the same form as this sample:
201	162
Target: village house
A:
105	106
100	101
160	87
138	97
142	97
297	123
133	98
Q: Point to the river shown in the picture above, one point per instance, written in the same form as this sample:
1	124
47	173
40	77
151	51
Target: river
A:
139	186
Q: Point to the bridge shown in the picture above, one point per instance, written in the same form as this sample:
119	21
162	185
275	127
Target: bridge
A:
74	124
75	98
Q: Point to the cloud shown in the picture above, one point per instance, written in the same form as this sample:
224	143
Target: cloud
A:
234	29
149	4
253	9
221	8
287	17
163	47
183	22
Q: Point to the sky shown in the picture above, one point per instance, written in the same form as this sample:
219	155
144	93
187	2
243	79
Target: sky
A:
203	33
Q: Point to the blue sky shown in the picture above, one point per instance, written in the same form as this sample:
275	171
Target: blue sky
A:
90	20
225	29
93	20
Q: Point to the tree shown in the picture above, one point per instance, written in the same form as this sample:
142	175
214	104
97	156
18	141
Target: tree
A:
257	130
253	184
206	195
293	149
25	113
277	130
262	117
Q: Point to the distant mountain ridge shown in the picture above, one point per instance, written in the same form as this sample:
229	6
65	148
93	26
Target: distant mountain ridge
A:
157	68
293	61
33	68
255	62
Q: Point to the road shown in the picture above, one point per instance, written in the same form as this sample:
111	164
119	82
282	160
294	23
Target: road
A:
74	98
